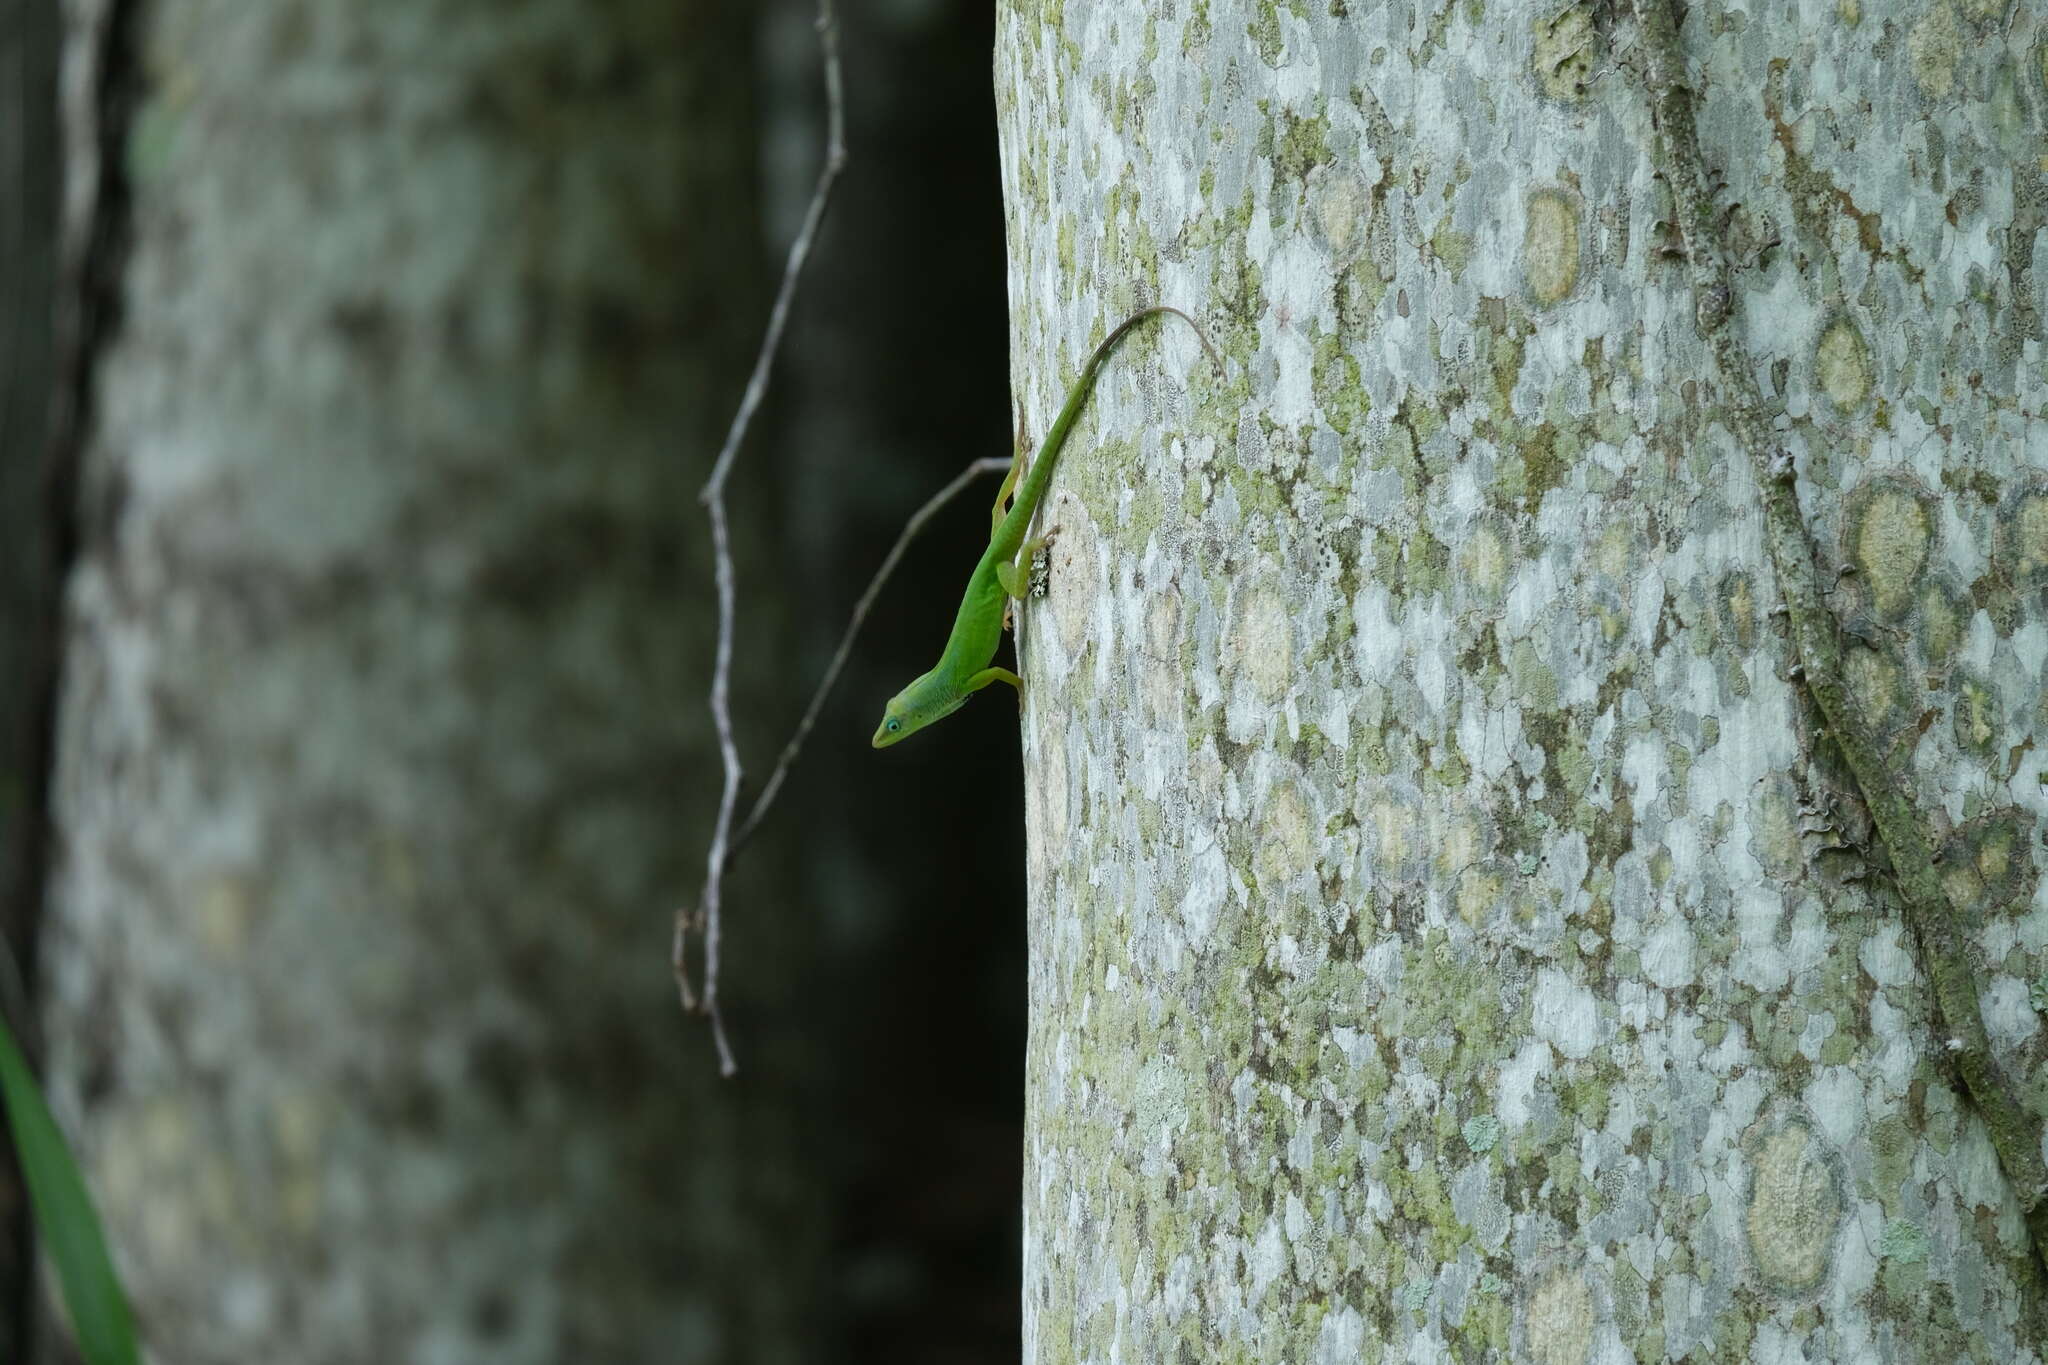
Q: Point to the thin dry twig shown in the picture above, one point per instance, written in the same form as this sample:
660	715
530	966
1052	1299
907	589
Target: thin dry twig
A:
911	528
713	499
687	921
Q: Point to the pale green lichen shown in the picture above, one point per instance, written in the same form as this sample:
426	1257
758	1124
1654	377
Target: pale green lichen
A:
1477	892
1904	1241
1452	247
1339	385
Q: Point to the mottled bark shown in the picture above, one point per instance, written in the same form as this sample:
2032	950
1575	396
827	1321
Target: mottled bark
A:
383	754
1455	935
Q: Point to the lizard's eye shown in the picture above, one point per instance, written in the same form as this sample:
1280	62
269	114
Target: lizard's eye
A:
894	725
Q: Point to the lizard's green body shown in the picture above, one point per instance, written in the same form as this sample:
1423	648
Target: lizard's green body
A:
967	665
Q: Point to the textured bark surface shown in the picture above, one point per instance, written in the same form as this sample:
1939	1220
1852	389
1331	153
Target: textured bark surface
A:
1450	938
383	750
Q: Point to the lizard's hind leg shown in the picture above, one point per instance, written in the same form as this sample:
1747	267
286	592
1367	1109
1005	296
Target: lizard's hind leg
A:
995	517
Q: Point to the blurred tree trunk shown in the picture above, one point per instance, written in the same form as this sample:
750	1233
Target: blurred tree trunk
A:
28	80
383	753
1451	937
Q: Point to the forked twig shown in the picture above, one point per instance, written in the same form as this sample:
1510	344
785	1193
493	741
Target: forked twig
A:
713	498
685	920
931	508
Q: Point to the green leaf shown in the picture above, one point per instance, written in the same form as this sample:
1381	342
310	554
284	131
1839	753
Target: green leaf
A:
64	1215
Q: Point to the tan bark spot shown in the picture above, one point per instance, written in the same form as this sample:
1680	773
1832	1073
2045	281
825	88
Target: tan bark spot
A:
1458	845
1874	682
1566	47
1842	364
2029	536
1550	247
1395	826
1341	214
1284	846
1479	890
1892	538
1262	646
1793	1208
1484	562
1934	47
225	912
1560	1320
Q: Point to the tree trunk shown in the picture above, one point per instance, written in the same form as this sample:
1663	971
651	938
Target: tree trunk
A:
1454	934
383	752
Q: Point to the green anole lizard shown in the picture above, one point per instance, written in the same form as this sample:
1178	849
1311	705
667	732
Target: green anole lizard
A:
967	665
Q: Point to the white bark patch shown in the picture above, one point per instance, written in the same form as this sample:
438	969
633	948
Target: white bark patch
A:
1076	572
1161	1103
2008	1011
1378	640
1518	1083
1565	1014
1477	1201
1208	884
1266	1259
1342	1338
1668	954
1884	955
1299	283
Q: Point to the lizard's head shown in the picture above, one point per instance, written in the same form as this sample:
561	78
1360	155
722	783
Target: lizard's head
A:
893	726
915	707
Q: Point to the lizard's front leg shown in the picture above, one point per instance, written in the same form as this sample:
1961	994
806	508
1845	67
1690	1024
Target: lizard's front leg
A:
1016	578
994	675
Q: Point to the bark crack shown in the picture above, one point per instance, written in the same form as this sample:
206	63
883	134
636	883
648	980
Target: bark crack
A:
1816	634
